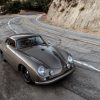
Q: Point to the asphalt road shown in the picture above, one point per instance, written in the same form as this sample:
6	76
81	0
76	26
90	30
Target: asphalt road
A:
83	84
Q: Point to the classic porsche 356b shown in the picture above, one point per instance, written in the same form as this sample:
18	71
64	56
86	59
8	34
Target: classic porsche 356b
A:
38	61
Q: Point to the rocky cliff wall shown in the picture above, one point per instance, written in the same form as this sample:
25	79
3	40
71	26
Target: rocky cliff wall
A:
75	14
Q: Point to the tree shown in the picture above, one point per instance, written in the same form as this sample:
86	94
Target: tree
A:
2	2
14	6
11	7
41	5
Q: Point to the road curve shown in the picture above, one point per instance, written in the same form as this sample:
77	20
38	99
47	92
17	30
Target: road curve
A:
83	84
81	50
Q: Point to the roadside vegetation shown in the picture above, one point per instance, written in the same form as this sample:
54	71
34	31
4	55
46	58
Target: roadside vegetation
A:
12	6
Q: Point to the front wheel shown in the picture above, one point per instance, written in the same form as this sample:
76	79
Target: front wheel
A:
26	75
1	56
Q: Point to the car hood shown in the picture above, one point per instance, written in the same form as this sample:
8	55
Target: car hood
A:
48	55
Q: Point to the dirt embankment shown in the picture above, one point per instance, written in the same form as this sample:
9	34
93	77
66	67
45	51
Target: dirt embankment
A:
83	15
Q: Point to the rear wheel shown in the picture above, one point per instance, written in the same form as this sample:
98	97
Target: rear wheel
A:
26	75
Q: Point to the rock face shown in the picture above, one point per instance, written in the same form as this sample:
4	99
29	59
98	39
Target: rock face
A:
75	14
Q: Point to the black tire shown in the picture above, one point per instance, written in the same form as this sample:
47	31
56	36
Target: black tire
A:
26	75
1	56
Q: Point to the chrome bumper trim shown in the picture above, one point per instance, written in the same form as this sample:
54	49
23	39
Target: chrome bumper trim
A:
56	78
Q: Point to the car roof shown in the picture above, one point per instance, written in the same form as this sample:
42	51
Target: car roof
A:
22	35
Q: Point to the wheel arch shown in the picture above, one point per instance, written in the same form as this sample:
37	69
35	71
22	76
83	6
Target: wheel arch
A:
20	67
32	72
1	51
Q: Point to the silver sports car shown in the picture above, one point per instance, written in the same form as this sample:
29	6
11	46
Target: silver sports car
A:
35	59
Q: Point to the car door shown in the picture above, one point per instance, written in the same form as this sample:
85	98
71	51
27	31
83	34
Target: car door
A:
5	46
10	52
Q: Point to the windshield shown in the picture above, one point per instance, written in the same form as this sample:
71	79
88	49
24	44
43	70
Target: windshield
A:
30	41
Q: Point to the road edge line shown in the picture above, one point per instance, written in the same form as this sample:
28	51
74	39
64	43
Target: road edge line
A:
87	65
9	25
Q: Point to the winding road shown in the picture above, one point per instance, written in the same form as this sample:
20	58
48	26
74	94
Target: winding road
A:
83	84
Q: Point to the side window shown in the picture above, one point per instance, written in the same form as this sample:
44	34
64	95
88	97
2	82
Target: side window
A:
7	41
10	42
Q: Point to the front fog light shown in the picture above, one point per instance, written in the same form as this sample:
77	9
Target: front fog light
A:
52	72
68	66
70	59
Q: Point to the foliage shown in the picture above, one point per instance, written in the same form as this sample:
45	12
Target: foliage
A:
43	5
4	1
39	5
27	5
9	6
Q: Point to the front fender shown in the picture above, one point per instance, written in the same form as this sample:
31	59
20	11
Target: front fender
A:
30	63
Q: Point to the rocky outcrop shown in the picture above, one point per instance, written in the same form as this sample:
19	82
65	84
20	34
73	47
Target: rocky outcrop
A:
76	14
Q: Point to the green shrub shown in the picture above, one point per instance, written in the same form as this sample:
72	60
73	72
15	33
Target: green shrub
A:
3	1
12	7
27	5
38	5
43	5
15	6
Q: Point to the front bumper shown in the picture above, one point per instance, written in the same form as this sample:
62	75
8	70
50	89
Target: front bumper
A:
56	78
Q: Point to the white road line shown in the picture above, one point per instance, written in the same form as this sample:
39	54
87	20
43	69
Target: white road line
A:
78	62
87	65
9	25
38	17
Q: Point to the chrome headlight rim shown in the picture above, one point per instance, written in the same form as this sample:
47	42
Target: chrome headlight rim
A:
70	59
43	72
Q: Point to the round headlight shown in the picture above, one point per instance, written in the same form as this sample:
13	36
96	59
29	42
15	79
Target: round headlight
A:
70	59
42	71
